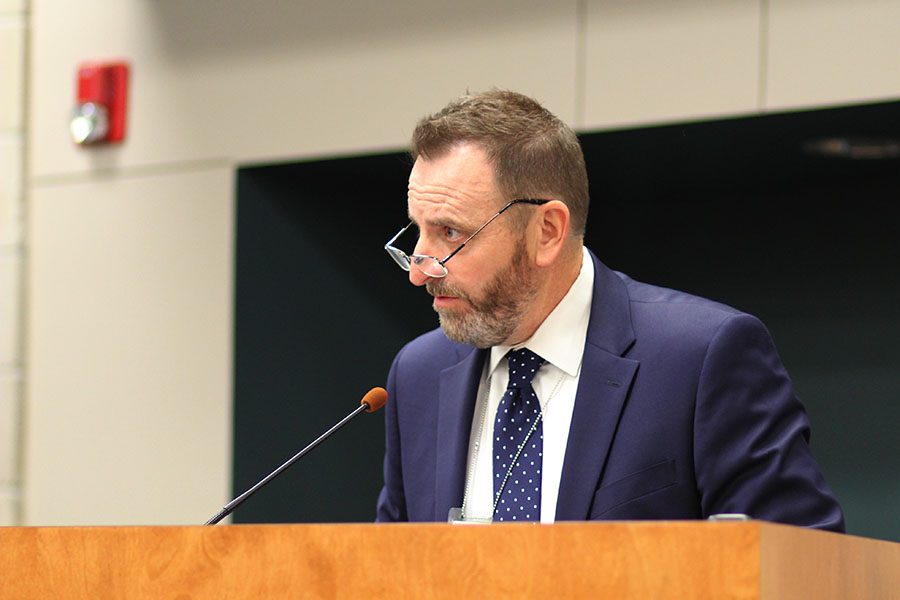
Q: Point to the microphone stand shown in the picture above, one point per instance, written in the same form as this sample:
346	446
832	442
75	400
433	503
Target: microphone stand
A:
229	508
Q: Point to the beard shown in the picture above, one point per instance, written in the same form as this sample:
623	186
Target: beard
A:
493	318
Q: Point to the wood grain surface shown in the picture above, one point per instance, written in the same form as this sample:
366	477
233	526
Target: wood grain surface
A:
565	560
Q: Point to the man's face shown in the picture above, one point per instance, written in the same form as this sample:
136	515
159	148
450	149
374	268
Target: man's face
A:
490	284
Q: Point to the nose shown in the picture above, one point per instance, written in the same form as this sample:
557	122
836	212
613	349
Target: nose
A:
417	277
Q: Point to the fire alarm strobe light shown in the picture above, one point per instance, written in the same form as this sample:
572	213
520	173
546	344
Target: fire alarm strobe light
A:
99	115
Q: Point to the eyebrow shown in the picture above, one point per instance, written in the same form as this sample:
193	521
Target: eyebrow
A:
440	223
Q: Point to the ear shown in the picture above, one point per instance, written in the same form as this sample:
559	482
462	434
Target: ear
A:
551	230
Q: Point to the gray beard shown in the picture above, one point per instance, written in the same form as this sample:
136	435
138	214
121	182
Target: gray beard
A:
493	319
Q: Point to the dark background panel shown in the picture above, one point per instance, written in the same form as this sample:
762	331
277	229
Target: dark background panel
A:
319	314
734	210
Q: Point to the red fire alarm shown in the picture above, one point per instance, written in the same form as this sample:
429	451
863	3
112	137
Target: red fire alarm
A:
101	100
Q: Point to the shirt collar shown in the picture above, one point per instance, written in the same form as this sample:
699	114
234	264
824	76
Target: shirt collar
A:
561	337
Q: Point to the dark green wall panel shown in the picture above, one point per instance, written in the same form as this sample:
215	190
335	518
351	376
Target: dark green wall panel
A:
733	210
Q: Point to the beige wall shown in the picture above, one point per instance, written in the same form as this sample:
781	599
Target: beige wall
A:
659	61
129	314
129	366
13	29
254	81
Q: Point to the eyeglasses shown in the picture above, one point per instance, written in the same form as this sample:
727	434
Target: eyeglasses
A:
432	266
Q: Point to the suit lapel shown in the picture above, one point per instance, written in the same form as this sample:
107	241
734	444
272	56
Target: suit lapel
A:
456	406
603	389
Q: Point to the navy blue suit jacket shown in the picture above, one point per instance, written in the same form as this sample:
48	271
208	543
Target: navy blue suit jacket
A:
683	410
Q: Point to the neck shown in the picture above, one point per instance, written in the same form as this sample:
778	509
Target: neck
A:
557	279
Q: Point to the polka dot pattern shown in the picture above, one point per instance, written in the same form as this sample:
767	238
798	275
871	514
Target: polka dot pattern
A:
519	443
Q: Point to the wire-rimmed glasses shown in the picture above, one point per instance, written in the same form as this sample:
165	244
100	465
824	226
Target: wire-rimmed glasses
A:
433	266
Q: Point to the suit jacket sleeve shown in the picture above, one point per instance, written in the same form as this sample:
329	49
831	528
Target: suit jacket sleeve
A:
751	434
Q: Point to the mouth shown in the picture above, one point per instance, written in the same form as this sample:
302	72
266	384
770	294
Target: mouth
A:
445	301
443	295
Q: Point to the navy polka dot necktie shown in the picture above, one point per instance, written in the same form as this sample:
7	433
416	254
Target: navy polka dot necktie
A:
519	443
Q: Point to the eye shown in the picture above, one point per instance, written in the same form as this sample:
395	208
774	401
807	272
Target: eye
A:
452	235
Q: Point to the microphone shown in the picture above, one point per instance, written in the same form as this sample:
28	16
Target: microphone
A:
372	401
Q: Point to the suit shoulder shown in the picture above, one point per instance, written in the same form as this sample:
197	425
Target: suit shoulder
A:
665	312
669	299
432	350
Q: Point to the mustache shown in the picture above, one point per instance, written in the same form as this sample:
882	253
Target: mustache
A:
442	288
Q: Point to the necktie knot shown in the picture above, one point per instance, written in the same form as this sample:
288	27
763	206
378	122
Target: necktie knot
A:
523	366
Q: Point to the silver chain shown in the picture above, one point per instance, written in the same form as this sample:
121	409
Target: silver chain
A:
474	462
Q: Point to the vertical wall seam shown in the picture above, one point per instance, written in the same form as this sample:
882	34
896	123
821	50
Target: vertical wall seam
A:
24	271
580	62
763	73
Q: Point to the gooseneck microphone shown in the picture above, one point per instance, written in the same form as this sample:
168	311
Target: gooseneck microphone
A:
372	401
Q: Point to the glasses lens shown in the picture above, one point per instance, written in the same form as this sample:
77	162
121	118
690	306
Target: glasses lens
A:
399	257
429	265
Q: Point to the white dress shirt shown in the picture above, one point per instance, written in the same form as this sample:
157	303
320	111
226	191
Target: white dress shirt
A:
560	341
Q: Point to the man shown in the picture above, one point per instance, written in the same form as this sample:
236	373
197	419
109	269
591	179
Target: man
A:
555	388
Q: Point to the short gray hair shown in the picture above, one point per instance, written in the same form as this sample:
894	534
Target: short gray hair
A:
533	153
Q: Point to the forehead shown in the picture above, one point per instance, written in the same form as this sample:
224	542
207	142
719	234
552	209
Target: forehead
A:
457	184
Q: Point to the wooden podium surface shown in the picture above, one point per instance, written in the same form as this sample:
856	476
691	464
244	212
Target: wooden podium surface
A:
565	560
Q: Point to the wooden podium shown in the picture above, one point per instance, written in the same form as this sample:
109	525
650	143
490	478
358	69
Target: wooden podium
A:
565	560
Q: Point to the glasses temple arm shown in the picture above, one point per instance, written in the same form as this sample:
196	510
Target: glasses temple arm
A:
391	241
477	231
